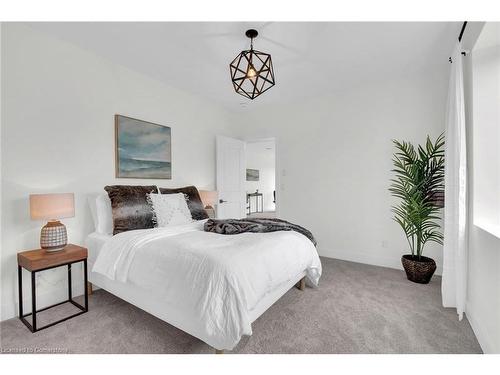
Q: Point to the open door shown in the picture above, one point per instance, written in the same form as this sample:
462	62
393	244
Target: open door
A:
231	178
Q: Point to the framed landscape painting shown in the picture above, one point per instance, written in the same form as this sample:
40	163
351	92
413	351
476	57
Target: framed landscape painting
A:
143	149
252	175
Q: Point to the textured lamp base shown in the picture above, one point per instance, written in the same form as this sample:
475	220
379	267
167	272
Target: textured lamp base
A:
53	236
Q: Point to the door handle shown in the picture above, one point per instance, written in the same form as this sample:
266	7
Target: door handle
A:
222	201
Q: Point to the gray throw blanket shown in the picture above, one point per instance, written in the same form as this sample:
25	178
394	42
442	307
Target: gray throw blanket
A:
236	226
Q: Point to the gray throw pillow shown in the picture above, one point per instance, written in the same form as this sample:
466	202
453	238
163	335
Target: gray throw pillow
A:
130	207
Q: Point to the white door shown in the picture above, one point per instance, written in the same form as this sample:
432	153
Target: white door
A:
231	175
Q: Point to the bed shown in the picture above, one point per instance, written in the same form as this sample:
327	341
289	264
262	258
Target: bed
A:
209	285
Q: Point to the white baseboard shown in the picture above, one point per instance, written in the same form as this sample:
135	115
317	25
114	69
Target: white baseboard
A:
369	257
482	335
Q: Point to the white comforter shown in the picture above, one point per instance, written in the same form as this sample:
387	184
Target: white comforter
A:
216	278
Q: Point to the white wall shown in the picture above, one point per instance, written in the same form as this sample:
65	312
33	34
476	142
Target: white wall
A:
333	157
260	157
483	286
58	103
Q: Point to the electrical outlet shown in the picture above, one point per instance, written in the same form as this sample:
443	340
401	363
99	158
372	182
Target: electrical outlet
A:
384	244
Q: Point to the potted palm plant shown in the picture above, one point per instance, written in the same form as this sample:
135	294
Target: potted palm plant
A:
419	184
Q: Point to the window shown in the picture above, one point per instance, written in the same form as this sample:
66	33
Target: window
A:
486	129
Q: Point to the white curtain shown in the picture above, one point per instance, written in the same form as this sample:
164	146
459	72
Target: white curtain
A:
454	281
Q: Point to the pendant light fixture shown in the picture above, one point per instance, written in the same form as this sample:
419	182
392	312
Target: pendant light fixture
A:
252	71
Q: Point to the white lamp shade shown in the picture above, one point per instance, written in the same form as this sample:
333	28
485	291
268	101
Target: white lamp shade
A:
52	206
208	198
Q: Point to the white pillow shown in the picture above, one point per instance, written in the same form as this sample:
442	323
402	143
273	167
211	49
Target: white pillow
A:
100	207
93	209
169	209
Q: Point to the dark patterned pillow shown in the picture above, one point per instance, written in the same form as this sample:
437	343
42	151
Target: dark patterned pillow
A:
193	201
130	207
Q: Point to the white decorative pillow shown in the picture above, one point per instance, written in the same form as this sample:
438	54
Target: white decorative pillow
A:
169	209
104	214
100	208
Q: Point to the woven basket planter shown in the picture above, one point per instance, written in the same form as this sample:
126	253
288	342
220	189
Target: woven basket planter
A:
418	270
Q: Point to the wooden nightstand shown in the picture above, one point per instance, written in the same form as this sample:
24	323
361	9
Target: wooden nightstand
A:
41	260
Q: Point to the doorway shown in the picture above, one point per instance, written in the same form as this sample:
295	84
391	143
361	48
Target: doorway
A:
260	182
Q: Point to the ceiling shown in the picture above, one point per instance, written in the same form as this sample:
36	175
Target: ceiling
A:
310	59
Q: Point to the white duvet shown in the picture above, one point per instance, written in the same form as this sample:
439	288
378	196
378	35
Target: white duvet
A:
215	278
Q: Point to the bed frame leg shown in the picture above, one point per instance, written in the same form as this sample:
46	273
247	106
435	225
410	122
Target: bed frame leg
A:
89	288
302	284
217	351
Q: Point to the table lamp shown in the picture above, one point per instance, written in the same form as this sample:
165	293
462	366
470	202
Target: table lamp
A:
51	207
209	198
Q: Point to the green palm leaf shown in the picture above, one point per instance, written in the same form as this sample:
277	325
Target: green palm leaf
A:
418	180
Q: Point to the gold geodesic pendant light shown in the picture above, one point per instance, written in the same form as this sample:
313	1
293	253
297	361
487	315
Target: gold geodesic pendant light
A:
252	71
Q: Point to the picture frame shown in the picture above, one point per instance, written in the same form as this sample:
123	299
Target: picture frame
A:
143	149
252	174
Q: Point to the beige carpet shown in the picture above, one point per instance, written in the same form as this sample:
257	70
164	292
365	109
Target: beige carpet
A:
357	309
